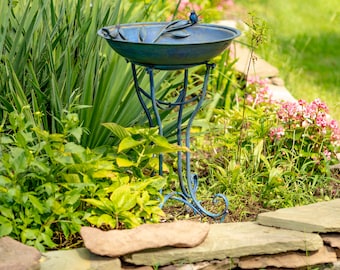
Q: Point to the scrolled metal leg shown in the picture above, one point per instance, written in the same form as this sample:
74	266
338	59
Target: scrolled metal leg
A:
189	183
188	194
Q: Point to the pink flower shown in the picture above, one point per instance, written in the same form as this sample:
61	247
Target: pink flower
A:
276	133
327	154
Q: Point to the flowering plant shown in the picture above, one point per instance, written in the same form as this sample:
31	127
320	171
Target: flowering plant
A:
304	128
281	149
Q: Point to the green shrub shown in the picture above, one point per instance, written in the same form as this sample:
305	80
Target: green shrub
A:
273	154
51	57
51	186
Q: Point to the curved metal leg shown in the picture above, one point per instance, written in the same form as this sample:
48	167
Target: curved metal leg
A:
189	183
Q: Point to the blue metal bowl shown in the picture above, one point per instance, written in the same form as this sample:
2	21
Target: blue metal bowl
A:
141	43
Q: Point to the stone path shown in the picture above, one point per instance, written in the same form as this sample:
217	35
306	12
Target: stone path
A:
246	245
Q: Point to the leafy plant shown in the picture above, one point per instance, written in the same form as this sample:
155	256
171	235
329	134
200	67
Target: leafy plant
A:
286	150
52	57
51	186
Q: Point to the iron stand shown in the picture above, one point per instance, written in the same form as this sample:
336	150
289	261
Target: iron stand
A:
189	183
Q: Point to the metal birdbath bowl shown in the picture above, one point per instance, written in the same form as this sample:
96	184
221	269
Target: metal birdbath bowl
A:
174	45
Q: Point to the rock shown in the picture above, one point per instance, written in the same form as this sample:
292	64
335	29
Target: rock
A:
231	240
137	268
207	265
116	243
258	66
77	259
277	81
218	265
337	251
17	256
289	260
332	239
280	93
336	266
322	217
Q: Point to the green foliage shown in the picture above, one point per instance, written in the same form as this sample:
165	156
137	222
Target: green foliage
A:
273	154
51	58
50	185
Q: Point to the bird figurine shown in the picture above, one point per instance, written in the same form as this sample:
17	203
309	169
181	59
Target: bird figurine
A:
193	18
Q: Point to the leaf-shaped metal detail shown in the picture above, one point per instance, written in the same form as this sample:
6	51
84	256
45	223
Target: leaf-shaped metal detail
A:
121	34
178	25
142	34
173	26
180	34
112	32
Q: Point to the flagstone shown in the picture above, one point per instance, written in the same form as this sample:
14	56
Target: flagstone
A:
258	67
322	217
231	240
289	260
77	259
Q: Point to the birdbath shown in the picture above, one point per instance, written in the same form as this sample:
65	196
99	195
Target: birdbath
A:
175	45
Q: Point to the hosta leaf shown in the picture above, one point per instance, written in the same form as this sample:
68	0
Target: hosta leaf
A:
123	199
128	143
96	203
72	178
57	208
117	130
106	219
123	162
129	219
105	174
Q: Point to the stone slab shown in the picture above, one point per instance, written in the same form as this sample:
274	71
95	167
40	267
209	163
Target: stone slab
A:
231	240
289	260
280	93
77	259
116	243
322	217
332	239
17	256
258	67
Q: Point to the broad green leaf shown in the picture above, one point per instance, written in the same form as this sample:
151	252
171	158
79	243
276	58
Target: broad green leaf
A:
123	199
65	228
30	234
36	204
72	197
7	212
4	180
105	174
129	219
77	133
123	162
41	166
117	130
57	208
96	203
5	139
93	220
48	241
106	219
74	148
5	227
72	178
128	143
